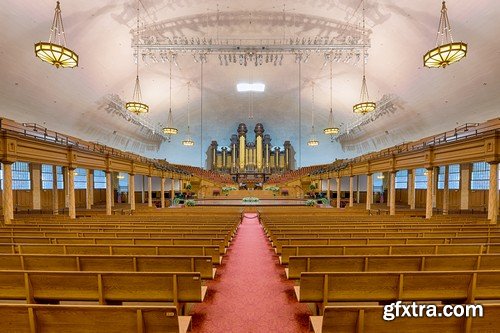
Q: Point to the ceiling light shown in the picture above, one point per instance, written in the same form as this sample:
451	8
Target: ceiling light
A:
331	129
56	54
446	51
246	87
170	129
313	142
365	105
136	106
188	141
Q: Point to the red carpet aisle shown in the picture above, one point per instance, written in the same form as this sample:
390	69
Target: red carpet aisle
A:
250	293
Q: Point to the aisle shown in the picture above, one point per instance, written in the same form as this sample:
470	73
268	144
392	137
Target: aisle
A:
250	293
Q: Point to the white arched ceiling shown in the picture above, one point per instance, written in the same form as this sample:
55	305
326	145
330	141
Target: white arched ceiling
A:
77	101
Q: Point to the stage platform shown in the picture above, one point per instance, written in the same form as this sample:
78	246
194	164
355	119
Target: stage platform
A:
262	202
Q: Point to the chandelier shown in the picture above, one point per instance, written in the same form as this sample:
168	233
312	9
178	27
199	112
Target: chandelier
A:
331	129
313	142
188	141
446	51
365	105
136	106
170	129
56	54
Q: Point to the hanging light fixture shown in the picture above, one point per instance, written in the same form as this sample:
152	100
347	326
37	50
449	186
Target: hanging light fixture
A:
188	141
365	106
170	129
331	129
313	142
136	106
446	51
56	54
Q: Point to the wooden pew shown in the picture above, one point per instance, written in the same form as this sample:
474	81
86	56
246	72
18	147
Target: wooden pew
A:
394	263
147	250
35	318
458	286
385	241
102	287
106	263
369	319
299	250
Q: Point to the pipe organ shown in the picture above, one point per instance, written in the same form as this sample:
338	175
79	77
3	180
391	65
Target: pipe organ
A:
245	156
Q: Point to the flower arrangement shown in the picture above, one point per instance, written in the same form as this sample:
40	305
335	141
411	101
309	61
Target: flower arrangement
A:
311	202
272	188
188	186
190	203
250	199
227	189
312	187
325	201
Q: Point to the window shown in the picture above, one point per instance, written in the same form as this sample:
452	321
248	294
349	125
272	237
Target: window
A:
480	177
453	177
122	182
421	179
21	176
1	178
80	179
378	182
401	179
99	179
47	177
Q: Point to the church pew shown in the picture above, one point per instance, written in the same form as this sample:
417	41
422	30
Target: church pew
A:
384	241
106	263
457	286
202	250
102	287
378	263
299	250
359	319
36	318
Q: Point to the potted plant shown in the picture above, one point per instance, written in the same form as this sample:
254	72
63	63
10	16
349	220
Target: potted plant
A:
312	187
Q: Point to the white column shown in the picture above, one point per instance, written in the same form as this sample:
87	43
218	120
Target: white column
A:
150	192
328	194
493	194
465	170
172	190
357	189
90	189
131	194
162	192
369	191
351	191
411	188
36	182
339	180
428	201
55	192
66	187
446	191
392	195
71	193
8	200
143	196
109	193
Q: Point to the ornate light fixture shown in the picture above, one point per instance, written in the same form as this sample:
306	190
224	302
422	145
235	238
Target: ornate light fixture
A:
446	51
136	106
313	142
56	54
188	141
170	129
365	105
331	129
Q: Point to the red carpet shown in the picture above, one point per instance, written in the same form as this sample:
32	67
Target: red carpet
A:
250	293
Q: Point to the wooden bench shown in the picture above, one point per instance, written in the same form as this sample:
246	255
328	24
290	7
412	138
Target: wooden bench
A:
459	286
34	318
300	250
146	250
106	263
378	263
102	287
369	319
